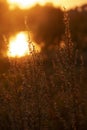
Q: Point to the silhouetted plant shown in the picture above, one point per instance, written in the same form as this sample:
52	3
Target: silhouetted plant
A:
40	92
69	75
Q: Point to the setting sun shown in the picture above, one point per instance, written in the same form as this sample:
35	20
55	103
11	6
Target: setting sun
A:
18	45
23	3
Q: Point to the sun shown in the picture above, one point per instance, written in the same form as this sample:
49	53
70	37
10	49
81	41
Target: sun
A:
25	4
18	45
22	4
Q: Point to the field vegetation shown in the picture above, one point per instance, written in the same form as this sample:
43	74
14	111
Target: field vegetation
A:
44	91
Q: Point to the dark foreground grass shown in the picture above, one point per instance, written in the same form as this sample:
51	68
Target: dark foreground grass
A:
43	92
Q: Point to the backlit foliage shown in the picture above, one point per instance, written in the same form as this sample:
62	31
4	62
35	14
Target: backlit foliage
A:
42	92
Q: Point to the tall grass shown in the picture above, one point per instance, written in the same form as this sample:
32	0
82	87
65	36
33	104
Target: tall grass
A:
69	71
42	93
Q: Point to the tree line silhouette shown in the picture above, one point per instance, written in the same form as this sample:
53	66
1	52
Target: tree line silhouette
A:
46	24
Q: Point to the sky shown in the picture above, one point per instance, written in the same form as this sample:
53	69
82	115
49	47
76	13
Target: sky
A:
63	3
39	24
69	3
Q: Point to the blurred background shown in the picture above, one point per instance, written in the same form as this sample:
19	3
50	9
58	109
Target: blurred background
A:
44	21
46	90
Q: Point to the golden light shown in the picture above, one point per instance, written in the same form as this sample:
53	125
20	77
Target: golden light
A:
22	4
62	45
18	45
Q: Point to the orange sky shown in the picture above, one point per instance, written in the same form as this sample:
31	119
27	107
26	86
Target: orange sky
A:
63	3
70	3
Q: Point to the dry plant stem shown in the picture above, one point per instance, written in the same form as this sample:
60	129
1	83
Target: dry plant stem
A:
43	93
70	52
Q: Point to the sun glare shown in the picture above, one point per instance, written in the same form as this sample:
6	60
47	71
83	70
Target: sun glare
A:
18	45
22	4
